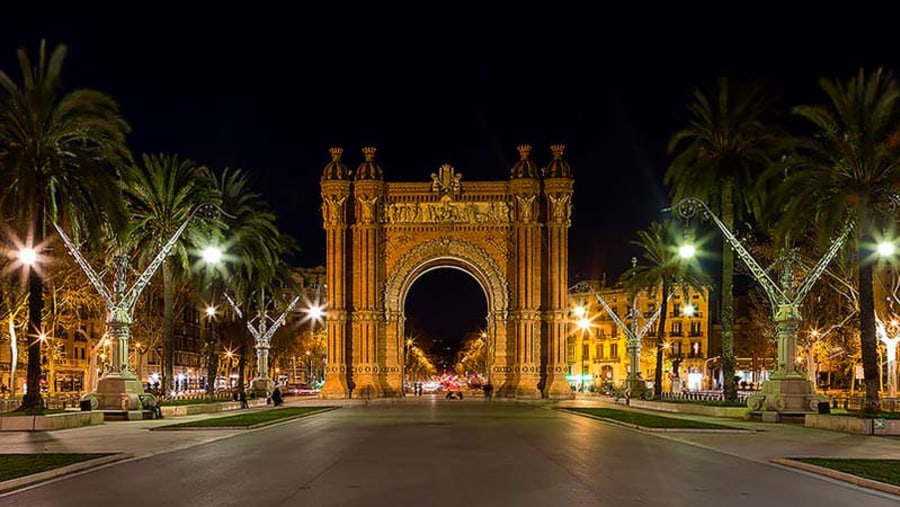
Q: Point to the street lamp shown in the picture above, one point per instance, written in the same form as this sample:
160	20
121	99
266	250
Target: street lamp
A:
634	384
262	332
786	390
119	389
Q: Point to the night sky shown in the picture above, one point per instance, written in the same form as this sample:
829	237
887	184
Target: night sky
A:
270	88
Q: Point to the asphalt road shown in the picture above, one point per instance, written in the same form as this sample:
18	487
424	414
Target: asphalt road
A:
445	453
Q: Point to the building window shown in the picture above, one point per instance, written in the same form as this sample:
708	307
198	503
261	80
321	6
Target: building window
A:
613	350
696	329
585	351
695	349
599	351
676	328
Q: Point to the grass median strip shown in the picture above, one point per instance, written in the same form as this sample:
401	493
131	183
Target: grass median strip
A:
251	419
643	420
882	470
13	466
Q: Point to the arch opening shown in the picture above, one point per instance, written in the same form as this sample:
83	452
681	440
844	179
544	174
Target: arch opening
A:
445	309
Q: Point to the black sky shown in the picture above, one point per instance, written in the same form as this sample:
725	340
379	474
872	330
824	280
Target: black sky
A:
269	87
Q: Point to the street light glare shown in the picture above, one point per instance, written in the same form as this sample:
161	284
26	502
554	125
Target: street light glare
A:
886	249
584	323
688	311
579	311
687	251
210	311
212	255
316	312
27	256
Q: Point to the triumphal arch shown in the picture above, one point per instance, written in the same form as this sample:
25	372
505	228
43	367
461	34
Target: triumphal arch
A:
510	235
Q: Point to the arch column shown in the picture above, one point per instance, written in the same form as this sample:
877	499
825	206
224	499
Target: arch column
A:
558	193
335	194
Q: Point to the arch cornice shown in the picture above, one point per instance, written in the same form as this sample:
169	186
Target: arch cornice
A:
447	252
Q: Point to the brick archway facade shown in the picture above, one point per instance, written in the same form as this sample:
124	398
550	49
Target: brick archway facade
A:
511	236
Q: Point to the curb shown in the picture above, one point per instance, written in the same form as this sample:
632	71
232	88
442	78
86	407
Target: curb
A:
251	427
658	430
19	482
841	476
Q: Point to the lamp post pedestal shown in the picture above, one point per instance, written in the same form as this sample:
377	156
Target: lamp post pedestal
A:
787	391
120	393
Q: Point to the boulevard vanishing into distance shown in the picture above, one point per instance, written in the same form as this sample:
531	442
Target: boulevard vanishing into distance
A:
207	299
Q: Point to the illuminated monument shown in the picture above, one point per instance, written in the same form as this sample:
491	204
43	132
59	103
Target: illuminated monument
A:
511	236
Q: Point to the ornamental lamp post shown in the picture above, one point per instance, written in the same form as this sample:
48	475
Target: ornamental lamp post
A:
635	386
262	331
787	390
119	389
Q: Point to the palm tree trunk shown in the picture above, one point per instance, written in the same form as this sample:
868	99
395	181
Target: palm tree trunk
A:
727	315
868	341
168	328
32	401
212	358
660	341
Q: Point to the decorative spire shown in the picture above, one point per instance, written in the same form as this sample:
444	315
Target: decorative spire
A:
524	168
369	170
558	167
336	170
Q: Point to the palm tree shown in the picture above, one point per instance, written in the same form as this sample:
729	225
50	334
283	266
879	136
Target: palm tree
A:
665	271
255	248
56	149
162	195
719	157
851	165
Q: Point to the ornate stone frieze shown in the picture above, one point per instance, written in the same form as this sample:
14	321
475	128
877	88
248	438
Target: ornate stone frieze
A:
447	211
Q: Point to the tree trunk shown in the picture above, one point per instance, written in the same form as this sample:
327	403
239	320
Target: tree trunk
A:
727	294
868	341
33	401
168	328
212	357
660	340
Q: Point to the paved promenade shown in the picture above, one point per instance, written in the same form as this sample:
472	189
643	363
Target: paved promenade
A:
370	453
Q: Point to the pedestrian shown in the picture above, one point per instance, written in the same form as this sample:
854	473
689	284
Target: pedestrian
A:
277	400
243	398
488	390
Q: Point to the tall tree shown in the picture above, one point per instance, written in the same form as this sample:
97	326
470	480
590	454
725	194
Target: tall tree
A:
719	157
665	271
56	151
850	164
254	248
162	194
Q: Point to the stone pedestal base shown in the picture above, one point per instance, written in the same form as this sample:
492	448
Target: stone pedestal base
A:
262	387
334	390
558	389
788	394
120	392
367	387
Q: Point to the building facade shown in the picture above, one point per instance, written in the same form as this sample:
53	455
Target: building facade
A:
596	353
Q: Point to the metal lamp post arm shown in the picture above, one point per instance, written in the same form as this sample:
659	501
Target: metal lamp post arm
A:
687	208
646	328
819	268
234	305
144	279
615	317
88	270
280	320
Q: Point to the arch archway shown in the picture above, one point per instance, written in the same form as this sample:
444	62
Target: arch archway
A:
511	236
